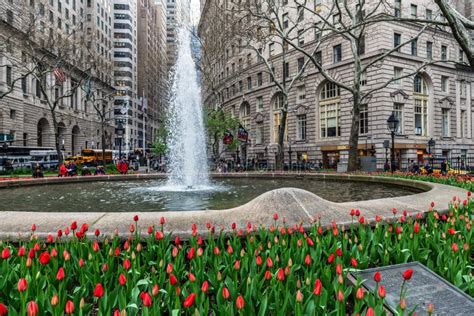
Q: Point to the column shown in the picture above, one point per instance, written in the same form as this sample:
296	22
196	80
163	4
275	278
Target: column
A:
458	109
469	108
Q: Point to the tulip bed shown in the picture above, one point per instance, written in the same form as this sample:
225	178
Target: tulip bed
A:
277	270
462	181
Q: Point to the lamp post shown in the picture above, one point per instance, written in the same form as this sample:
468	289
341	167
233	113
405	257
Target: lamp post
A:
386	145
119	130
431	143
392	124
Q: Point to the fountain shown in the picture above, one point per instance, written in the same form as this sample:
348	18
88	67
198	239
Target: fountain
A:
187	166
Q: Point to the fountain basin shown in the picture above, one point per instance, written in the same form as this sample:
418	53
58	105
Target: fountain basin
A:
294	204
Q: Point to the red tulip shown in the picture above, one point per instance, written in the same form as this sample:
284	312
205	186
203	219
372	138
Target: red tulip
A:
234	226
258	261
21	252
135	218
280	275
22	285
69	309
97	232
269	262
454	247
81	262
5	253
191	277
3	310
268	275
169	268
230	250
451	231
32	309
239	302
189	301
205	287
237	265
122	279
191	253
352	212
173	279
275	216
116	312
155	290
339	269
357	213
362	220
318	287
159	235
354	262
377	277
310	242
33	227
216	250
407	274
307	260
339	252
225	293
54	253
331	258
127	264
340	296
95	246
162	220
299	296
146	299
60	275
99	290
74	225
44	258
360	294
370	312
416	228
381	291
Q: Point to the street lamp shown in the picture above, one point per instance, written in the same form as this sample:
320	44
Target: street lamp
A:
431	143
119	130
392	124
386	145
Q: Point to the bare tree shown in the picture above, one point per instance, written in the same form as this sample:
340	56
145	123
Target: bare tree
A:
100	102
460	26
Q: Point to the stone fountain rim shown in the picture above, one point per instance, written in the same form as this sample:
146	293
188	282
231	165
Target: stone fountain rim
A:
297	206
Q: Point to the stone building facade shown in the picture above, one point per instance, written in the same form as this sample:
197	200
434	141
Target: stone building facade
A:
437	103
80	30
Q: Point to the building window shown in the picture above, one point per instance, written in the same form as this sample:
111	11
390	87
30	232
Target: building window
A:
259	104
286	70
285	21
278	105
398	8
421	106
301	126
463	124
329	110
249	83
12	114
259	132
271	48
444	52
300	63
414	47
241	86
397	40
244	115
398	112
429	50
24	84
444	84
317	5
461	56
429	14
337	53
317	31
363	119
9	79
318	57
301	37
397	73
413	11
445	122
259	79
301	93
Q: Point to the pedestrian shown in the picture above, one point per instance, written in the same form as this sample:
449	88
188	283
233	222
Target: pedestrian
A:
444	167
62	170
37	171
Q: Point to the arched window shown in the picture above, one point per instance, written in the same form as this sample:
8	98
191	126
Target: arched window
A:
244	115
420	97
277	106
329	110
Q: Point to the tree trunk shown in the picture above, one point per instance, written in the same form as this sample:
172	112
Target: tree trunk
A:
280	156
56	136
353	161
103	142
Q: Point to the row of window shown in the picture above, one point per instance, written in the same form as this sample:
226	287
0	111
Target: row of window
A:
444	49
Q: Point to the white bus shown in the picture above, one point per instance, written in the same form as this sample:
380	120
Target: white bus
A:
48	159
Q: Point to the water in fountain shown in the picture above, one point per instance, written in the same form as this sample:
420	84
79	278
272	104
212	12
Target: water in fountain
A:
187	166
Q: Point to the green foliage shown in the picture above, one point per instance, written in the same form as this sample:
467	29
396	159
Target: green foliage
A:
159	146
217	124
